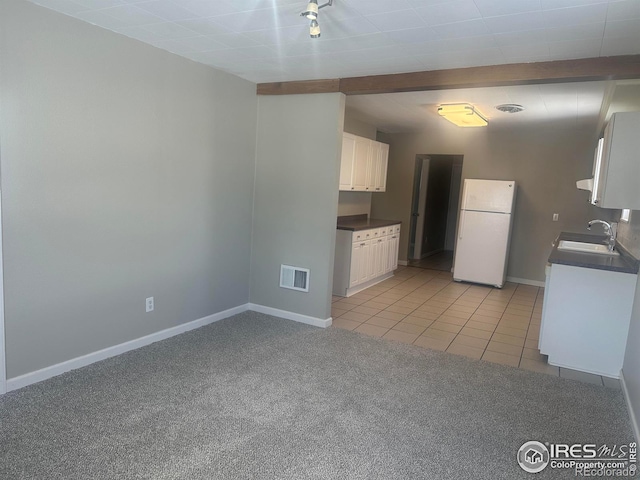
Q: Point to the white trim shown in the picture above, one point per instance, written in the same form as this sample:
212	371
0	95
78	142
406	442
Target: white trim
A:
296	317
632	415
83	361
370	283
3	358
88	359
525	281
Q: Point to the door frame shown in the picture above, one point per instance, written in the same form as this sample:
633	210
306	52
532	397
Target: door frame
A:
3	362
418	207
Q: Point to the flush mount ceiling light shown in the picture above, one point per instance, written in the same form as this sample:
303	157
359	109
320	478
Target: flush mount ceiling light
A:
462	115
510	108
312	14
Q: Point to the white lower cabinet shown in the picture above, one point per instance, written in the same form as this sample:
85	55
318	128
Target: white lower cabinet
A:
364	258
394	244
359	271
585	318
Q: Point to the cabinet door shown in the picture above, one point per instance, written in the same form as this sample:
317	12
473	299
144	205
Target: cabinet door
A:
362	164
374	168
616	182
356	263
380	263
381	163
365	270
384	256
346	161
394	243
374	261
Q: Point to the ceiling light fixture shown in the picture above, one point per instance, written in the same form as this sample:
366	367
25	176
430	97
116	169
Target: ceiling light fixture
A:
314	29
462	115
312	10
312	14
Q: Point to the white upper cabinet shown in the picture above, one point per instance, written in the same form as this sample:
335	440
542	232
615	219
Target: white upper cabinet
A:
379	162
363	166
346	167
617	170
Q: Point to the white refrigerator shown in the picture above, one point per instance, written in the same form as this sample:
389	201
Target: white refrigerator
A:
484	230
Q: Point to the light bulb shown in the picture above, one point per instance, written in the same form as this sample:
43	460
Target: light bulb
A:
314	29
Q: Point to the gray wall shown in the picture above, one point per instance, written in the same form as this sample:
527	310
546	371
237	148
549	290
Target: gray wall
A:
629	236
296	198
545	159
127	172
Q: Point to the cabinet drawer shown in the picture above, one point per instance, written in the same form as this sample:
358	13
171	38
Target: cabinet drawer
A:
362	235
384	231
396	229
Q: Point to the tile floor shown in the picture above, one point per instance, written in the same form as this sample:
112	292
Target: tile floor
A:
427	308
440	261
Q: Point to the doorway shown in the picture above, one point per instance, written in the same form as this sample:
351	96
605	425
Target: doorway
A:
434	211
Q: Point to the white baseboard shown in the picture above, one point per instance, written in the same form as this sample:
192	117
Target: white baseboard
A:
296	317
363	286
632	415
525	281
79	362
83	361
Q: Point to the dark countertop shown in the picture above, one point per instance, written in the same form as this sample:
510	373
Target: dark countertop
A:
356	223
624	263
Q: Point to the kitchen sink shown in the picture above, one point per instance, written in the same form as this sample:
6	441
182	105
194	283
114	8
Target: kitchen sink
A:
585	247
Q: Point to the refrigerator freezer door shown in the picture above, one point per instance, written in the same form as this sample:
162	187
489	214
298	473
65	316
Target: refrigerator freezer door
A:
482	248
488	195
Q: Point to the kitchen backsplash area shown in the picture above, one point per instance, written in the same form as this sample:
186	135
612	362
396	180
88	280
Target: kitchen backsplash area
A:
354	203
629	234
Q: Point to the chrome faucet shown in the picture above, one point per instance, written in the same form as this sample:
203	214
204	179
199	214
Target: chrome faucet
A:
609	229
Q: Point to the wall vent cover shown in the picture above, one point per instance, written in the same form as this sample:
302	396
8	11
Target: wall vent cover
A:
295	278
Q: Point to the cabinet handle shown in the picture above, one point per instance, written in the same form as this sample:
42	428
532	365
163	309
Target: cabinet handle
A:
352	188
377	189
379	241
362	244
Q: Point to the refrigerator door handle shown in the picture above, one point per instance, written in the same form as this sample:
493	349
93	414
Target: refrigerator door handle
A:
461	227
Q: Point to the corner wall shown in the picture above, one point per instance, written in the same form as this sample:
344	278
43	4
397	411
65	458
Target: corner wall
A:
299	144
127	172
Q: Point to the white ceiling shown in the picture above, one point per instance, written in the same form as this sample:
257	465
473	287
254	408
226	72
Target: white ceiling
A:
268	41
415	111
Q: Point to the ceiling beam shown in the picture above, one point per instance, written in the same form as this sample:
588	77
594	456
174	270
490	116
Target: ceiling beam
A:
580	70
303	87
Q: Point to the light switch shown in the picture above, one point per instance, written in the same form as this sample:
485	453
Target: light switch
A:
555	217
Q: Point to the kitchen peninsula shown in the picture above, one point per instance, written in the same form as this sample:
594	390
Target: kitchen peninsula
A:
587	307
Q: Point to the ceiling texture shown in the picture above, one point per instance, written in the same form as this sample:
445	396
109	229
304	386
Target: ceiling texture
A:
268	41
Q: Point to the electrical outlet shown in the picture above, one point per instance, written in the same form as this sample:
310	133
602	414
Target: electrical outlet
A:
149	305
555	217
